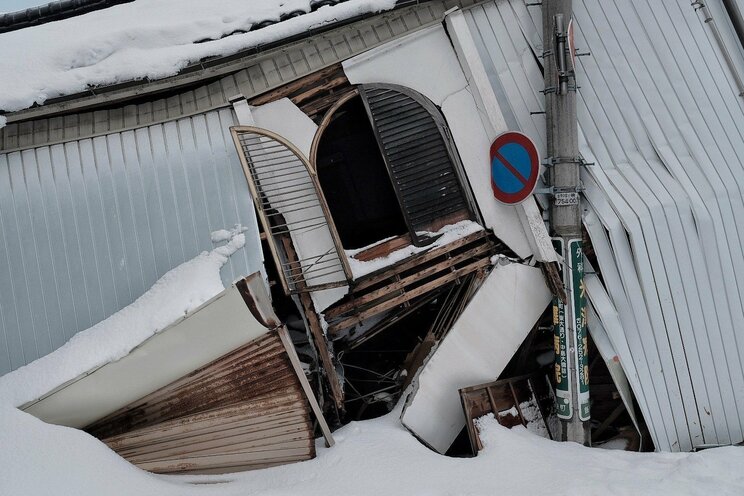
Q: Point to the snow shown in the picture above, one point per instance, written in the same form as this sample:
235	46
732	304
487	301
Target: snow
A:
513	412
146	39
373	457
533	416
221	235
614	444
448	234
180	290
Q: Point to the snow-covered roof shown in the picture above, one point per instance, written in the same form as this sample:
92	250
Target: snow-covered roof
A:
150	39
52	11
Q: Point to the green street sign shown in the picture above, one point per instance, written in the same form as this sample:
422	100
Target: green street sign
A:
578	307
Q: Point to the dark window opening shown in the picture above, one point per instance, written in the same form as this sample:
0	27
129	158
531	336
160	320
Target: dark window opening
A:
355	180
413	137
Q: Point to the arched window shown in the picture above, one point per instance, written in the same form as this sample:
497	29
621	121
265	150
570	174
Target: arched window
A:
382	164
354	178
383	153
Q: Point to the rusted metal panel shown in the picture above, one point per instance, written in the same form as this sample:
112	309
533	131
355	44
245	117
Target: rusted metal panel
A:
526	400
273	428
252	370
245	410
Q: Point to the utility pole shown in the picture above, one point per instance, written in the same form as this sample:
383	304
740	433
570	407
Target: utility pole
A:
572	371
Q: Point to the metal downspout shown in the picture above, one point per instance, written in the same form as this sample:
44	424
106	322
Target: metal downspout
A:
708	19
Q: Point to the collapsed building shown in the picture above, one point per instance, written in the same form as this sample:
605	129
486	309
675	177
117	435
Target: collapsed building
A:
378	267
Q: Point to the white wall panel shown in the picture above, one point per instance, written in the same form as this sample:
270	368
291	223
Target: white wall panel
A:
477	348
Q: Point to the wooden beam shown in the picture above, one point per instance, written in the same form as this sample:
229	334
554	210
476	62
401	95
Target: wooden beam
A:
383	249
318	89
319	105
454	304
408	296
399	285
297	85
415	260
316	330
385	323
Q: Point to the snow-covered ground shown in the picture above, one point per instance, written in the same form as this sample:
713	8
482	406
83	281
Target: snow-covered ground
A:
145	39
375	457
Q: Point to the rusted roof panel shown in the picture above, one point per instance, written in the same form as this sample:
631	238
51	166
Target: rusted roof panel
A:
245	410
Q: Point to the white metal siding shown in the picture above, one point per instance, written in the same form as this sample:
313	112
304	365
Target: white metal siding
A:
87	226
660	116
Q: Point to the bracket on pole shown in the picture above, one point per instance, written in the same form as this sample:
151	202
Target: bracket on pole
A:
552	190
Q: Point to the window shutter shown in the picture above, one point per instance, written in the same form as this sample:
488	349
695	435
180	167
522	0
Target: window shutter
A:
290	204
415	144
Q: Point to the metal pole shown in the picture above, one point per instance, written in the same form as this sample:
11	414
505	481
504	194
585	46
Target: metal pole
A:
736	19
572	392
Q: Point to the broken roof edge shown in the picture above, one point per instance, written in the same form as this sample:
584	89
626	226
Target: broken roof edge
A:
253	285
201	71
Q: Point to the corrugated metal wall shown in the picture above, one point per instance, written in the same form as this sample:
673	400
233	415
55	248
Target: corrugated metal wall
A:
88	226
244	411
660	115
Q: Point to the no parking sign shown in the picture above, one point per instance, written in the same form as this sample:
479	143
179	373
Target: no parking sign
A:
515	167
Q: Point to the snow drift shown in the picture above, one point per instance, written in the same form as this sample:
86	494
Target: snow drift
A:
370	458
146	39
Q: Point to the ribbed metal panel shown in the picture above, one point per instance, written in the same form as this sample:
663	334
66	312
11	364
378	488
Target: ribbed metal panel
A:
414	142
232	378
87	226
660	115
243	411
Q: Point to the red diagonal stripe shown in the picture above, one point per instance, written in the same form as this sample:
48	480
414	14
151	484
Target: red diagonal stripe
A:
509	166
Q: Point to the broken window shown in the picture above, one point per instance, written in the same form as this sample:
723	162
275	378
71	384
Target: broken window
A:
420	157
354	178
388	167
290	204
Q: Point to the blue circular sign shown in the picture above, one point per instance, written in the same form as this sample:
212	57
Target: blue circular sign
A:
515	167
